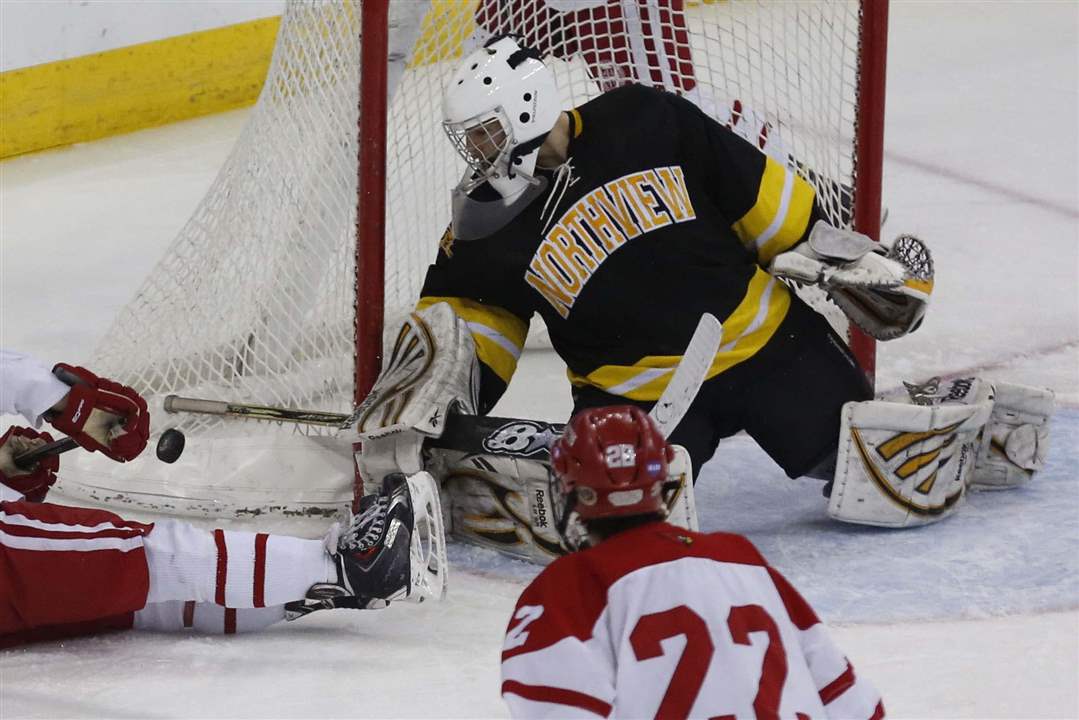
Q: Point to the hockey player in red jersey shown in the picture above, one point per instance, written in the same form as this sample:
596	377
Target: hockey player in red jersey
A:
68	571
646	619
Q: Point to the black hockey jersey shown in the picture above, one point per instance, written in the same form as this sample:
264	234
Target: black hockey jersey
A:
668	215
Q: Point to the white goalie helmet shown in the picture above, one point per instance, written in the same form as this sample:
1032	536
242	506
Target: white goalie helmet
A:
498	108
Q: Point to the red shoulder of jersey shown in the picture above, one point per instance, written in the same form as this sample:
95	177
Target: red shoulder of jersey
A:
567	598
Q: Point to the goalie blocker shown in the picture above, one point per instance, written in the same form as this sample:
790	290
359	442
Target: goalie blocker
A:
904	464
493	472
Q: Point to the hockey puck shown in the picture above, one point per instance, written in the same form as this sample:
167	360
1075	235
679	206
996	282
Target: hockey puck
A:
170	445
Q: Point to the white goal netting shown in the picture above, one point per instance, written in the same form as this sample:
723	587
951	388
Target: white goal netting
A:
254	300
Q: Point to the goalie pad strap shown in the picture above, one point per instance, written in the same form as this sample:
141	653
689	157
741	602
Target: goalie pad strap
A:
904	465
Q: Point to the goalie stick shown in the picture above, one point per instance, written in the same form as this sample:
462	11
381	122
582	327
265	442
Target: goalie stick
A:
667	412
471	454
689	375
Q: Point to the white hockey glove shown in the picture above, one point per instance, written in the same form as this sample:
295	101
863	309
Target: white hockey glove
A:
884	291
1016	441
908	464
431	371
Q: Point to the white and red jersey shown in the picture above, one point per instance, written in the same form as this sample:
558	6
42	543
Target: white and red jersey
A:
658	621
27	387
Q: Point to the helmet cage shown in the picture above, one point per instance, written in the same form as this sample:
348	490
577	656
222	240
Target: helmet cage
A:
485	142
567	521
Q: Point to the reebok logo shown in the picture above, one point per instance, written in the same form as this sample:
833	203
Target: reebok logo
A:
539	510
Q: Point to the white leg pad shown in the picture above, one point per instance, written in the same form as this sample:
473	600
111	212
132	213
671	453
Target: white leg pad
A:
903	465
500	502
1016	440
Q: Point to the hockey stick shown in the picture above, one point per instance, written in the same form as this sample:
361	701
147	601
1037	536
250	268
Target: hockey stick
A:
667	412
175	404
689	375
169	447
26	460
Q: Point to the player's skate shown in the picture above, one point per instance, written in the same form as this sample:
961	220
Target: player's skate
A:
394	549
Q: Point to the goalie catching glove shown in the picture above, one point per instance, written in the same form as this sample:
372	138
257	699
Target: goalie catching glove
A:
884	291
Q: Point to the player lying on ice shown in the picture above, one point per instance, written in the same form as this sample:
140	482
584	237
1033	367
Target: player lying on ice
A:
587	635
620	223
68	571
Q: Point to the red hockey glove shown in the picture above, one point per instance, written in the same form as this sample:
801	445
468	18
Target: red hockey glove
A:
33	483
102	415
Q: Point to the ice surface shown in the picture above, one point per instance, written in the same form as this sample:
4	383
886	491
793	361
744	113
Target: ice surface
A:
974	617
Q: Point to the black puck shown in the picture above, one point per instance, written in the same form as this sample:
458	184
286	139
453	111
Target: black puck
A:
170	445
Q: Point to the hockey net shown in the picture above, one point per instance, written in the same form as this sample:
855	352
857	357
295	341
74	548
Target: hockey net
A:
256	299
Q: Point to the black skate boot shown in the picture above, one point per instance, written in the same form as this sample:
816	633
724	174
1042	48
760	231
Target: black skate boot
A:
373	555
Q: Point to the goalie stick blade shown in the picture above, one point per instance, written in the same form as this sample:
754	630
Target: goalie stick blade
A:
689	375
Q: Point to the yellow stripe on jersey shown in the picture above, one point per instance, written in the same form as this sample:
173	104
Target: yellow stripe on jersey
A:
781	214
578	123
499	334
745	332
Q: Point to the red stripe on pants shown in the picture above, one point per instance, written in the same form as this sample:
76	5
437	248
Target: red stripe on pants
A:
222	566
258	592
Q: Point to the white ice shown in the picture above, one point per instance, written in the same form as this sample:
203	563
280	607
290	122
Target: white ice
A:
975	617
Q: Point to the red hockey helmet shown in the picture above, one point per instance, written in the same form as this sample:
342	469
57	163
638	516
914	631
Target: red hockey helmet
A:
611	462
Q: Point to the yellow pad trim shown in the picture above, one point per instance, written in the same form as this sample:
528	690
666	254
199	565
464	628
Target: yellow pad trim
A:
578	123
